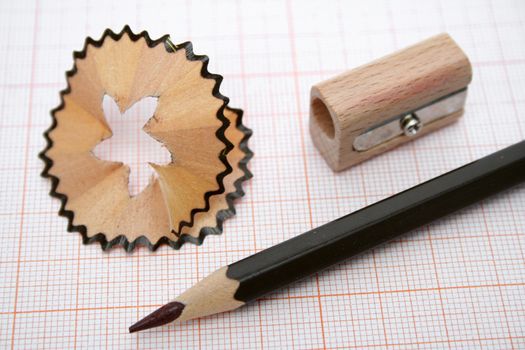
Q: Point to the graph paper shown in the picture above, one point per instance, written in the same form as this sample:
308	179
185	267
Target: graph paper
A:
457	283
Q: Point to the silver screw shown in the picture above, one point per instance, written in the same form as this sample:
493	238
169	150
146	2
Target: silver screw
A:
410	124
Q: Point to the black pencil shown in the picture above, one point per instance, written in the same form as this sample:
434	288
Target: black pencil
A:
241	282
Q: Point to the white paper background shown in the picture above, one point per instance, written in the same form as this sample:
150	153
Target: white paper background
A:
458	283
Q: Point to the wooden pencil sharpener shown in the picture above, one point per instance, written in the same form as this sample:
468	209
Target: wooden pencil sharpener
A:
383	104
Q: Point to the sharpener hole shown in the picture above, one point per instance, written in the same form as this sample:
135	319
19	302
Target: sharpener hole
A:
323	118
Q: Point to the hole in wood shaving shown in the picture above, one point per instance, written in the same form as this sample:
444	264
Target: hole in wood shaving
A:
130	144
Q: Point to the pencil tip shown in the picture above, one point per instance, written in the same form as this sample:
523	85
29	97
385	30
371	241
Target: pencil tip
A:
166	314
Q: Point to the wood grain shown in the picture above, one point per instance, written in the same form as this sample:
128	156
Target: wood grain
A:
346	105
187	121
211	295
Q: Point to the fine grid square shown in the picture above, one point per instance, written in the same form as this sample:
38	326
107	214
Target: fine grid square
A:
265	56
9	285
275	322
461	314
461	264
429	315
491	317
338	324
305	329
400	325
514	302
5	330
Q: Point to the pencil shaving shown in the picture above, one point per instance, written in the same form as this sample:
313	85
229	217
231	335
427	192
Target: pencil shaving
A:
189	197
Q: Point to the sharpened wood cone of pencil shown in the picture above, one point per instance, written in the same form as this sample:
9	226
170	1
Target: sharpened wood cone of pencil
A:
234	285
